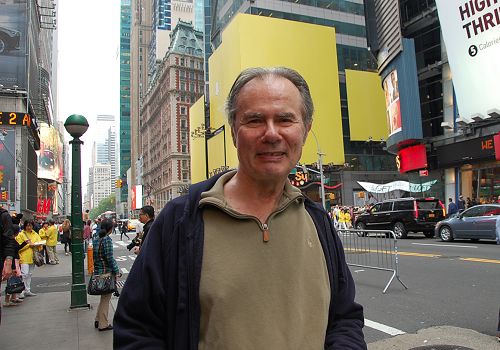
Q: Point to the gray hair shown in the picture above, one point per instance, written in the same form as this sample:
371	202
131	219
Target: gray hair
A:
259	72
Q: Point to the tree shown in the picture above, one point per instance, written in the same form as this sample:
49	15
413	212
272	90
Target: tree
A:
108	203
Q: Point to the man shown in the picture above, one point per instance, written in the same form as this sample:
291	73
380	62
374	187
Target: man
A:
146	217
461	203
51	236
452	207
7	244
245	261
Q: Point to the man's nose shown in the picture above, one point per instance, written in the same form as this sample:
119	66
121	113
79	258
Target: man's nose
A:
271	133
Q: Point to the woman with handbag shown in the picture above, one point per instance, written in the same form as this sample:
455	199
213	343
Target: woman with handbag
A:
27	240
104	263
15	283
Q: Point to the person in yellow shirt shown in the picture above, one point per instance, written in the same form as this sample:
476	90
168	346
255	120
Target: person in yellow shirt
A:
42	232
27	239
51	237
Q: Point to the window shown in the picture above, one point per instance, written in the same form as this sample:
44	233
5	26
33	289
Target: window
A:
183	124
182	61
403	205
183	110
386	206
183	148
376	208
474	212
492	210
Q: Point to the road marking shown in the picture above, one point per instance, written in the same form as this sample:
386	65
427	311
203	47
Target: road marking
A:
359	271
124	270
492	261
447	245
121	243
383	328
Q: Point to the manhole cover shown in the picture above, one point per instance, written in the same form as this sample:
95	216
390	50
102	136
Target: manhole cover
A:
441	347
51	285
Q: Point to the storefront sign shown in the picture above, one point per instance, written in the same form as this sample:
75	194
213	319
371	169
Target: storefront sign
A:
471	32
411	158
466	152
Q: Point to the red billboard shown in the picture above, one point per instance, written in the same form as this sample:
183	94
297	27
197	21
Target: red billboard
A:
411	158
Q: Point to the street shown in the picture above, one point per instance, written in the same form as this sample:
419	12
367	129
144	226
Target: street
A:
449	284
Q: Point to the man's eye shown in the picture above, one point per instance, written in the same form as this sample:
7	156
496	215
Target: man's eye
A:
253	121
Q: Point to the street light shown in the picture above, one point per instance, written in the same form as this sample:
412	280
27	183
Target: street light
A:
76	125
320	165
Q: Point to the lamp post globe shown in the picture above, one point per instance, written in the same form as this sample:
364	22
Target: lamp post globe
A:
76	125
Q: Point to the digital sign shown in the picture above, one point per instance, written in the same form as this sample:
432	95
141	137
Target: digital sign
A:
411	158
15	119
466	151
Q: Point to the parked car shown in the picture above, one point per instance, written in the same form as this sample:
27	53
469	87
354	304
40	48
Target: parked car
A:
402	216
10	39
479	222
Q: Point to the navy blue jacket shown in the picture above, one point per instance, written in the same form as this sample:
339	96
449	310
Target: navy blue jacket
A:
159	306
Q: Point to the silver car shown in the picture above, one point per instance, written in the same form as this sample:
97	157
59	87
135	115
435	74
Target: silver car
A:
479	222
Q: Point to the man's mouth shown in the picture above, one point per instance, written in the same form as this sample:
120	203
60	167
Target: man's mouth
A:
271	154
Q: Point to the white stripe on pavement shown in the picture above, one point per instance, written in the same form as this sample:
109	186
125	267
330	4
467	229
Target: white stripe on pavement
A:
447	245
124	270
383	328
121	243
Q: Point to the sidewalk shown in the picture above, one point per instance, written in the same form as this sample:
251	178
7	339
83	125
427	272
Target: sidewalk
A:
45	321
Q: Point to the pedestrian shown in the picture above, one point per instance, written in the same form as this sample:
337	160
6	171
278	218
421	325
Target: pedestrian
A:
124	230
66	236
42	232
245	260
146	217
7	246
51	244
104	262
87	234
452	207
461	203
27	240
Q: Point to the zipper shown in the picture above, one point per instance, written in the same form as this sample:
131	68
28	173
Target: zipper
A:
265	233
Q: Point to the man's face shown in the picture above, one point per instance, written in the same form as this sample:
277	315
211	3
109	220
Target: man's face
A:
269	129
143	218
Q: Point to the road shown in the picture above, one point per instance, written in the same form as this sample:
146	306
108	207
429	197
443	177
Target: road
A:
448	284
453	284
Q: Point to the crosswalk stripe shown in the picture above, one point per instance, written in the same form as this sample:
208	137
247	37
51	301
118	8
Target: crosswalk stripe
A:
124	270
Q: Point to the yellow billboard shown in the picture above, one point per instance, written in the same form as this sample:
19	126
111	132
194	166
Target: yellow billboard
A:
252	41
197	141
366	103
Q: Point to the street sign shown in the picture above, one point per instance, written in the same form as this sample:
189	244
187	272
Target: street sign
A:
423	172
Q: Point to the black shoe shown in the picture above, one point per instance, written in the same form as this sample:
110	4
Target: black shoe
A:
108	328
96	324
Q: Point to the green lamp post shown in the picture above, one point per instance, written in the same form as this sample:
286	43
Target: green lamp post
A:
76	125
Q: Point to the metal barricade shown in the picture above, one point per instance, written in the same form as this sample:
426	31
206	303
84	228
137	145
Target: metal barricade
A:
372	249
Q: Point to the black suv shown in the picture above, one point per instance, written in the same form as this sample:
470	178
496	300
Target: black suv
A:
403	215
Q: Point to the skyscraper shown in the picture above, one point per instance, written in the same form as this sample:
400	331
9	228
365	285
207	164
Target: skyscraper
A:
125	160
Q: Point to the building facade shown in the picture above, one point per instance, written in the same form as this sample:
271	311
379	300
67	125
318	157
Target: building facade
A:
26	100
165	117
99	183
459	150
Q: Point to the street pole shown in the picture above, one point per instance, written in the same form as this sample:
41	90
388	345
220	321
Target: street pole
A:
76	126
320	165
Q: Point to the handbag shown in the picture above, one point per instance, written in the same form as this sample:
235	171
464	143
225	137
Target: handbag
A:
38	258
104	283
15	285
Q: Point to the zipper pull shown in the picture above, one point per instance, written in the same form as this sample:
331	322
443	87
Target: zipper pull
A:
265	233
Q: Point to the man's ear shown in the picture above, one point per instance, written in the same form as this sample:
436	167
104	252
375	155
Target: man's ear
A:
308	128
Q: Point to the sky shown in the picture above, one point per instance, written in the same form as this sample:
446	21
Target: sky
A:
88	81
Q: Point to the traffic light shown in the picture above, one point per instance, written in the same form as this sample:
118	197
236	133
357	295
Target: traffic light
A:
119	183
1	176
5	195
